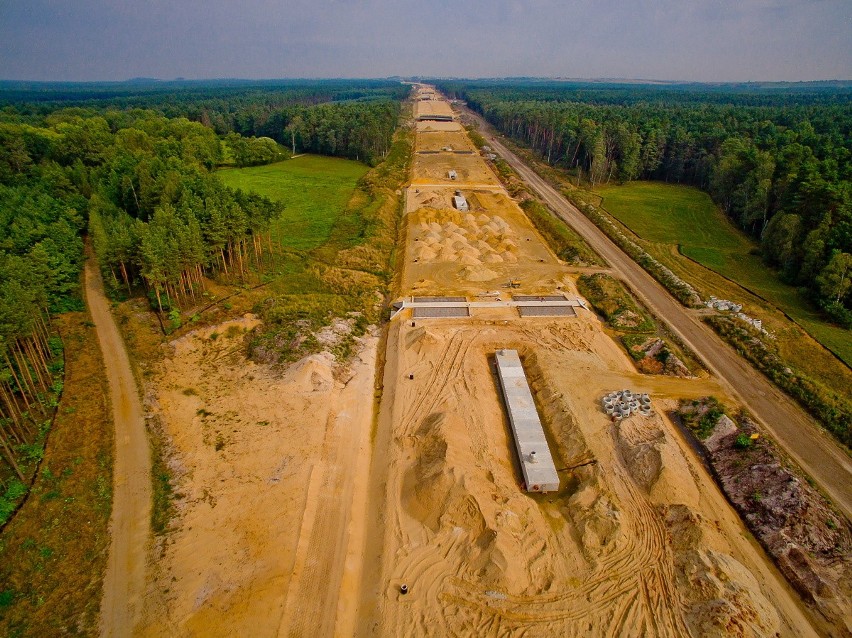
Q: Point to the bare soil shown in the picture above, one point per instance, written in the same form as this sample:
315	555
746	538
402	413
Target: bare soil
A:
265	462
130	523
809	540
637	541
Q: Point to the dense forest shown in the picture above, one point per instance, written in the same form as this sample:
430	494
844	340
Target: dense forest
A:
349	118
136	173
777	160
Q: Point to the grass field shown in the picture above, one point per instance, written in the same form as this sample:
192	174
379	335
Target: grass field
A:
314	189
681	216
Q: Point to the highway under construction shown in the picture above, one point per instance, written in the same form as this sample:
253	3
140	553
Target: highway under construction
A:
506	498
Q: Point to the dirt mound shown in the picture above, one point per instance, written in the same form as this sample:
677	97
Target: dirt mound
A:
654	356
311	374
810	542
449	494
654	460
477	273
422	338
432	478
722	597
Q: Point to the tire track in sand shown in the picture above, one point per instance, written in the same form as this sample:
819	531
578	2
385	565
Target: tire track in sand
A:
324	558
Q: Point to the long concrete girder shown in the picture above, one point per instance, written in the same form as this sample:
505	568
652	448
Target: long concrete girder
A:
802	438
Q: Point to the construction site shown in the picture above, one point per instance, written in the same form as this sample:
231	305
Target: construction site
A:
489	462
516	489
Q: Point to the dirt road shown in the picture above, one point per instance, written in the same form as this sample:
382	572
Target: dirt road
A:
124	581
817	453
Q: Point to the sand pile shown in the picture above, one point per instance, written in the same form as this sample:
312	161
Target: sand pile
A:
722	597
312	374
422	338
654	460
444	235
447	492
477	273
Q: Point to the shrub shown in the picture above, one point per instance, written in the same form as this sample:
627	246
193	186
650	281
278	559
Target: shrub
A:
743	442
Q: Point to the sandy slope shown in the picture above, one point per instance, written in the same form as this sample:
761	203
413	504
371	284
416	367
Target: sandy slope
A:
264	463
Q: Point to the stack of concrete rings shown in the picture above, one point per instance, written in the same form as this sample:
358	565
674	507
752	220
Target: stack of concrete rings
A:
622	403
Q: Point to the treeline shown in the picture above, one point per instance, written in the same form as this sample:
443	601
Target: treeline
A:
348	118
782	171
42	212
360	130
142	185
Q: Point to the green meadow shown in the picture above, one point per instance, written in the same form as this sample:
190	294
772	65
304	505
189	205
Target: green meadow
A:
314	189
671	215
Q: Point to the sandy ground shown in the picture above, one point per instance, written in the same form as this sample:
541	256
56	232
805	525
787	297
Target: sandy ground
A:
266	465
455	139
432	107
124	581
815	451
638	541
296	519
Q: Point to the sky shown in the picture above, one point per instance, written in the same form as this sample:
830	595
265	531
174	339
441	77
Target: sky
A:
687	40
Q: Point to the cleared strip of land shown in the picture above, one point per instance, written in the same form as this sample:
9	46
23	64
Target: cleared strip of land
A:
801	437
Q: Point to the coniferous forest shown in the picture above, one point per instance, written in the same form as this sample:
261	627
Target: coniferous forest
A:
777	160
131	166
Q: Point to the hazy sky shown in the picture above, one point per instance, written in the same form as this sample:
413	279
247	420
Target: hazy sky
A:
708	40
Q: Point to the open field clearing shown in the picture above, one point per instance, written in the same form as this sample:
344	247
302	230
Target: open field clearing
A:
314	190
670	215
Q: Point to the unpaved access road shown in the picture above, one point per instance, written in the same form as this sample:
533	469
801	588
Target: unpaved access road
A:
814	449
124	581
